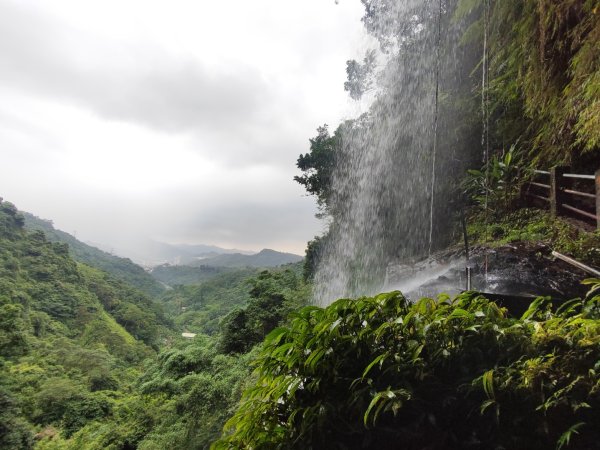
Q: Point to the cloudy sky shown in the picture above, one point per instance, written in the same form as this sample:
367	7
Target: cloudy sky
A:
178	121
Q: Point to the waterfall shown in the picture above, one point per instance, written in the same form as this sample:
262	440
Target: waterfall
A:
400	156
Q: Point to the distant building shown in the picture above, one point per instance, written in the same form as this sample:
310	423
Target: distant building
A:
188	335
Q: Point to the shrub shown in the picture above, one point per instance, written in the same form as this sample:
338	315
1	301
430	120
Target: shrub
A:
384	373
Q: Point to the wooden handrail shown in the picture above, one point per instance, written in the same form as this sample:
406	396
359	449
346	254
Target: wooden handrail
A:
542	185
579	211
560	188
539	197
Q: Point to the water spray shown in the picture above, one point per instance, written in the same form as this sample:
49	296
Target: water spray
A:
468	274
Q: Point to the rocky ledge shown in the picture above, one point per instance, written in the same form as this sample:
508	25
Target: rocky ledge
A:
519	269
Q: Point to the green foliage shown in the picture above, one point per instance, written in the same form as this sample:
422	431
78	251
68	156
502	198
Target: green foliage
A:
66	346
13	337
141	316
185	275
318	165
200	308
273	296
544	74
15	434
495	186
360	76
181	401
62	402
122	269
534	225
11	221
382	373
314	251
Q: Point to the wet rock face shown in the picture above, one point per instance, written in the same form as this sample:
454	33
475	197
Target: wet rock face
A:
515	269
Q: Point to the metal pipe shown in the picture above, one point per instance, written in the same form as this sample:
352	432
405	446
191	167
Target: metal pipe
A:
576	263
468	272
577	175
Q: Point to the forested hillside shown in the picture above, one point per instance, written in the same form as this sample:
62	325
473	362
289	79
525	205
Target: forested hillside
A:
200	306
88	361
184	395
185	275
71	337
265	258
121	268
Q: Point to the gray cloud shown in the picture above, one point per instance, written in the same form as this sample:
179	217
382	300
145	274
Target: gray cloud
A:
262	222
69	97
144	85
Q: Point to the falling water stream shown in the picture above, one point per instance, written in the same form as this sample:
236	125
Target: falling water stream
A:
392	189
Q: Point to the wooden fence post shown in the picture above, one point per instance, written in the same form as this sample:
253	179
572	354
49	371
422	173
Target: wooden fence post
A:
598	199
556	189
523	195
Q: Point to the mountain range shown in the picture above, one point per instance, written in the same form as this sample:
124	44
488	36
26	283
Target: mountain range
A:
174	263
264	258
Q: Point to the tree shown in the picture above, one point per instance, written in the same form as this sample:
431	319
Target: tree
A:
314	249
360	76
272	295
318	165
14	432
13	330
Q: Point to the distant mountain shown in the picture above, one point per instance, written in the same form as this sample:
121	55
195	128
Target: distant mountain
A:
210	267
150	253
186	275
121	268
264	258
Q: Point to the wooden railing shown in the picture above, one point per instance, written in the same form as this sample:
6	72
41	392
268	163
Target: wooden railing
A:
557	189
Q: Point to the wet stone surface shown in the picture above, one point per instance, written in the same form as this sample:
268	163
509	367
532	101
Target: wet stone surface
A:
515	269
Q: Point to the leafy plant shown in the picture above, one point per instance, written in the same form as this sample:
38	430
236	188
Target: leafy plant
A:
495	186
448	373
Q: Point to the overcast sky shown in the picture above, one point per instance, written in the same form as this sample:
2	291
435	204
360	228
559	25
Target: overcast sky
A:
178	121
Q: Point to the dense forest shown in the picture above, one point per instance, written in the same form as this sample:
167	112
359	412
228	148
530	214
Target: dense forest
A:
233	353
121	268
89	361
